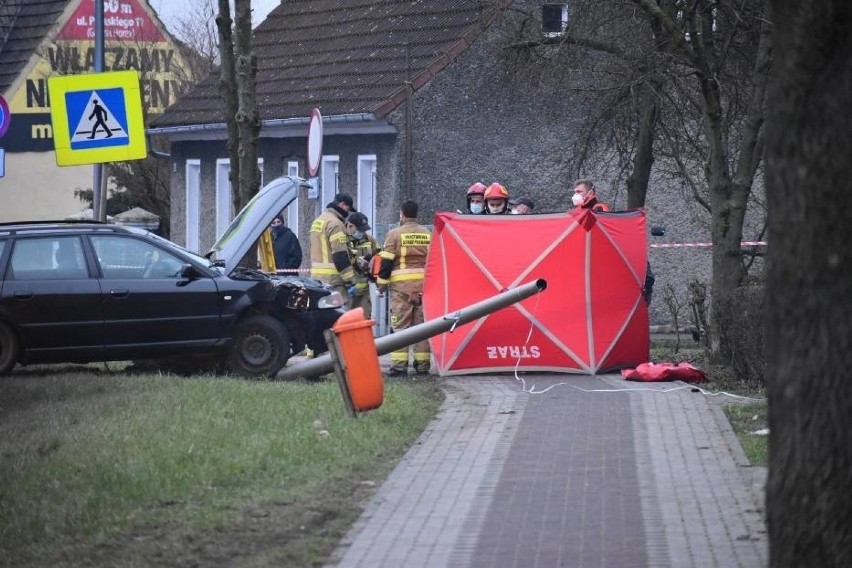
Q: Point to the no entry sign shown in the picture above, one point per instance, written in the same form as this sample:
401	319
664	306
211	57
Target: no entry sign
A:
314	142
5	116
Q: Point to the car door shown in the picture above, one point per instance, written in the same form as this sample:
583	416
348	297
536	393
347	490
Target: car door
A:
52	300
149	309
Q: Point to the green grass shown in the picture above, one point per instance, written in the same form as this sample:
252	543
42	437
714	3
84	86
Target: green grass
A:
746	419
89	460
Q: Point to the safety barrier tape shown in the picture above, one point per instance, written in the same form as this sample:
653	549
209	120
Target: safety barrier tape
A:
663	245
703	245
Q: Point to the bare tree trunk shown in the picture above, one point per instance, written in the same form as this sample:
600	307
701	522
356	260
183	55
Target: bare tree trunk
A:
228	90
729	196
643	159
809	286
727	261
729	192
247	117
727	205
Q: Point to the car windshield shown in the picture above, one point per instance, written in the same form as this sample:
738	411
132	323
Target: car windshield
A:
169	244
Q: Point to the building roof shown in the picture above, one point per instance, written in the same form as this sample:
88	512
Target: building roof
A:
23	26
343	57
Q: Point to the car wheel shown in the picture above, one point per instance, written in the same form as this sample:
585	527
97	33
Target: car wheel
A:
261	347
9	346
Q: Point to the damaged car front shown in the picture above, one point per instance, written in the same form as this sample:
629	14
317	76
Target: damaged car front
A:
305	306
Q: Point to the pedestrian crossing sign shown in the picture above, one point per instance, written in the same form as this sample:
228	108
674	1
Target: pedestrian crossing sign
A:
97	118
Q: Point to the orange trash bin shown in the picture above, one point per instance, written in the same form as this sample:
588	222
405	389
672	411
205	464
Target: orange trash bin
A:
360	359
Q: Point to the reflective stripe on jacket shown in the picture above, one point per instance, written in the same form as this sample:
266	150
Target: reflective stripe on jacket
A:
404	253
328	240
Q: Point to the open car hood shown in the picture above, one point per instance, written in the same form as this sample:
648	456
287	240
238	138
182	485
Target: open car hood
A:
253	219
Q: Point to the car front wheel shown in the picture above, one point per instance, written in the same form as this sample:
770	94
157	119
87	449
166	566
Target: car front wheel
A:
9	346
261	347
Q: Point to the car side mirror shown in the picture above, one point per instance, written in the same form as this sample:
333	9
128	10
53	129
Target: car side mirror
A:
188	273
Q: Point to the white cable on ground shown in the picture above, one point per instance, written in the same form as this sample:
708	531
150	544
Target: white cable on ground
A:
532	389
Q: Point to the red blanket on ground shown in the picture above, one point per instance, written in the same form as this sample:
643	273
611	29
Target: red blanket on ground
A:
655	372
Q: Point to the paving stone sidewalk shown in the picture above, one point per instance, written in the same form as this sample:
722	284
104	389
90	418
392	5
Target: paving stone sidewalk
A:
573	475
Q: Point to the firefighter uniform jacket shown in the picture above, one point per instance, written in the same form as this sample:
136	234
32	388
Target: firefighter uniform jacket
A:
404	254
403	269
361	252
330	261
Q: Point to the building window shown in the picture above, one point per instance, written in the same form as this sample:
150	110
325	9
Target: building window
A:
681	20
224	194
367	186
554	19
329	179
193	204
293	169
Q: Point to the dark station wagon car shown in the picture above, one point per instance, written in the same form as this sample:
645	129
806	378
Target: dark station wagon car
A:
84	292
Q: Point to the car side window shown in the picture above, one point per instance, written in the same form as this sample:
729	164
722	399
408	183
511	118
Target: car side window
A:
129	258
48	258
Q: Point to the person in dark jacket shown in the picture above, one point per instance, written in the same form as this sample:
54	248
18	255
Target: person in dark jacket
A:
522	206
285	245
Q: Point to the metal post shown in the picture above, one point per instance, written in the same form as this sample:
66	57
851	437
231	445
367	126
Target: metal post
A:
409	128
98	203
448	322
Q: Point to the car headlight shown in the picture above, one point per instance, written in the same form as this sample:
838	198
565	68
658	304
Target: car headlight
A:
299	299
333	300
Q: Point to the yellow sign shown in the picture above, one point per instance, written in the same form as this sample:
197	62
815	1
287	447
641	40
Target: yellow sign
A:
135	39
97	118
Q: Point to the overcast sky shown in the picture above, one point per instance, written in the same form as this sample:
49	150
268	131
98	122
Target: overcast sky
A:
172	10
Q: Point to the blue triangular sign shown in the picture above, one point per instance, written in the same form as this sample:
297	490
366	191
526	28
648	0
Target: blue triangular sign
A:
97	119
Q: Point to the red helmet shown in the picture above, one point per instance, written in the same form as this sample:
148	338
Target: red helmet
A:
476	189
496	191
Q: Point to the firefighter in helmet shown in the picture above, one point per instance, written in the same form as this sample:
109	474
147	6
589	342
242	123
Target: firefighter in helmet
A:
496	199
476	199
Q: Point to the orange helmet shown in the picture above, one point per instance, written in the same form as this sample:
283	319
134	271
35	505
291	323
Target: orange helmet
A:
476	189
496	191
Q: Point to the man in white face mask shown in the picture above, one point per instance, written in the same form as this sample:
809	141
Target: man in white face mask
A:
585	197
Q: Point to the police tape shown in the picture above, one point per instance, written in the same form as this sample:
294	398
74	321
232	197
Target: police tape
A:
705	245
